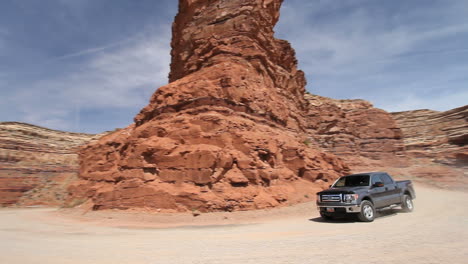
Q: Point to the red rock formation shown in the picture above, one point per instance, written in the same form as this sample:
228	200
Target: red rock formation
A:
366	138
239	64
36	163
228	132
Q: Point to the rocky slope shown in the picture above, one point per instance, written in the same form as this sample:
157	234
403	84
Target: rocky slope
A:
36	163
227	133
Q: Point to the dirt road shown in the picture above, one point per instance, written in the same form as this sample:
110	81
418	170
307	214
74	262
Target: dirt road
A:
437	232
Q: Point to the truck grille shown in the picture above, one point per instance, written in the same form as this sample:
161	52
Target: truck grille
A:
331	198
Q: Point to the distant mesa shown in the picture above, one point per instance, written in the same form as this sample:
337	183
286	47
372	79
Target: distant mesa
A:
37	164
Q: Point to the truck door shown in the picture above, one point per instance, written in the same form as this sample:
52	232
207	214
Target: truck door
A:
391	189
377	193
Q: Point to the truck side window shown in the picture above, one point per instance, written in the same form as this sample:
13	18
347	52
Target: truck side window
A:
376	179
386	179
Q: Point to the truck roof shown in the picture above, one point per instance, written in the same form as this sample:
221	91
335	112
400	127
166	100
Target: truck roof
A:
367	173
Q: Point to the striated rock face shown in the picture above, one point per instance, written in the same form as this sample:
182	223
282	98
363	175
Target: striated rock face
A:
441	136
228	132
36	163
365	137
436	143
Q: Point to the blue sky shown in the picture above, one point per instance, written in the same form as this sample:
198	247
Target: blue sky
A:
91	65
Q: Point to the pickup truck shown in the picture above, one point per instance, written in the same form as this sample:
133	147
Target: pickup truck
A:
364	193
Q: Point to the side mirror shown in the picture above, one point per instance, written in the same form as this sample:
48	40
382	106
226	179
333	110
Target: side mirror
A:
330	186
378	184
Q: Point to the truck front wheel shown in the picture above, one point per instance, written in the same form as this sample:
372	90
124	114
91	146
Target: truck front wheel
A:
367	213
326	216
407	204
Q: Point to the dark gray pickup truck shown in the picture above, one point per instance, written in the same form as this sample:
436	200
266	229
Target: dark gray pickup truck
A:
364	193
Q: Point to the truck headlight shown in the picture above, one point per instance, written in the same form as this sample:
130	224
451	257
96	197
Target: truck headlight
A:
318	198
350	198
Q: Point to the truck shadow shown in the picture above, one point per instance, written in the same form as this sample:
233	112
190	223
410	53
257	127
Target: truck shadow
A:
353	218
343	220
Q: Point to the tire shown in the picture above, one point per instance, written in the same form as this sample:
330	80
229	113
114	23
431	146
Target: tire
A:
367	213
407	204
325	216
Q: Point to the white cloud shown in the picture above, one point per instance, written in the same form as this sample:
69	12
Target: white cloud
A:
354	41
412	102
115	76
349	51
93	50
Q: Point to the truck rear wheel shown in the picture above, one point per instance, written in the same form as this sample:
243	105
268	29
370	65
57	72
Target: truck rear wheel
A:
407	204
367	213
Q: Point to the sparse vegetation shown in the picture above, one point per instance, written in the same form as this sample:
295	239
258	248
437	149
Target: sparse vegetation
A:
195	212
307	142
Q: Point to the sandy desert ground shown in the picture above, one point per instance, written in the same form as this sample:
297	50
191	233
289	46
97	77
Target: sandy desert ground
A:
436	232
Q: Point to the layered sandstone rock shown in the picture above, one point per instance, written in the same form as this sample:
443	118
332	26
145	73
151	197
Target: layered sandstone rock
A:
440	136
436	144
36	163
367	138
228	132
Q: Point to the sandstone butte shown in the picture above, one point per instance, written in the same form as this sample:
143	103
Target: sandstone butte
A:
228	131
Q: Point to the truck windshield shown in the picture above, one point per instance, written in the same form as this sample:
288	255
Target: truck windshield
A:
351	181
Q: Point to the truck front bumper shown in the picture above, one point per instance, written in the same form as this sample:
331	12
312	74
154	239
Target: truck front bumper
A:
352	208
